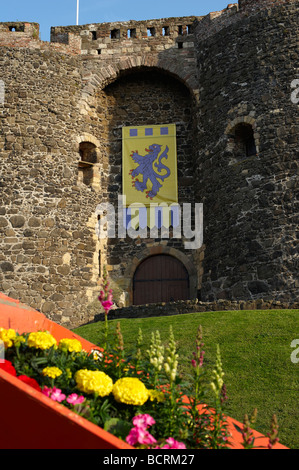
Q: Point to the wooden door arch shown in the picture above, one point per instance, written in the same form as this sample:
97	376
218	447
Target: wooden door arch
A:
160	278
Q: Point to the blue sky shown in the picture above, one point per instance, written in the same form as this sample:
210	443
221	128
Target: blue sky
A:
63	12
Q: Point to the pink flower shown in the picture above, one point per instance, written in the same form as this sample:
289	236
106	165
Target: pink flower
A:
143	421
54	393
46	391
101	296
75	399
107	304
140	436
173	444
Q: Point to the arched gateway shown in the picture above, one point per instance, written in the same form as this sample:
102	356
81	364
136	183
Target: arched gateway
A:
160	278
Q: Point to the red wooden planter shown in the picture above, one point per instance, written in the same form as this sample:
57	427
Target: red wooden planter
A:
30	420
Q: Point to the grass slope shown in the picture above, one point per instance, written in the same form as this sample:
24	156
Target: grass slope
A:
256	355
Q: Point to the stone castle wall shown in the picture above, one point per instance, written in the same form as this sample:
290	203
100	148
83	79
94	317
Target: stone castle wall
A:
206	74
251	201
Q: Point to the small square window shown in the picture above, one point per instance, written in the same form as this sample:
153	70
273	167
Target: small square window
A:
115	34
132	33
180	45
151	32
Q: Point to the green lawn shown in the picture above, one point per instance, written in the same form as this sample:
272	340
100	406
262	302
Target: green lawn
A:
256	355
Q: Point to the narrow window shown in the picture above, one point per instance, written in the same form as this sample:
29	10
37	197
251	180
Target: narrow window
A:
189	29
93	35
180	30
88	157
151	32
166	31
180	45
132	33
244	140
99	51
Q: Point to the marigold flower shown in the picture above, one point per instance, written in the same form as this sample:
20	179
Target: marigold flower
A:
41	340
90	381
52	372
18	340
7	336
70	345
130	390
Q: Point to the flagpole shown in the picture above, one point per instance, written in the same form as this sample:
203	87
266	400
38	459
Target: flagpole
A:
77	12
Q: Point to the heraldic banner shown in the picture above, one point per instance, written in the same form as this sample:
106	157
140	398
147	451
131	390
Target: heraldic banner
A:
149	165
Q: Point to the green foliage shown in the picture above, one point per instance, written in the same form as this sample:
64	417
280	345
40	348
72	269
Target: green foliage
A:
255	350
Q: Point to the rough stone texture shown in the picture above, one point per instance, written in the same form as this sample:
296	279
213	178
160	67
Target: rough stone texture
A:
250	201
207	75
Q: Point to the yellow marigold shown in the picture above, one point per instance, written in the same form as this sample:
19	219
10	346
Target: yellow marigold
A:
90	381
41	340
156	395
18	340
130	390
7	336
71	345
52	372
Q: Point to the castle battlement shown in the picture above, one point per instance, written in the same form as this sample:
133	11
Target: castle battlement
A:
131	36
113	38
26	35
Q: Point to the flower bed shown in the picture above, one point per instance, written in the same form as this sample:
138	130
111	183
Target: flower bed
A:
53	384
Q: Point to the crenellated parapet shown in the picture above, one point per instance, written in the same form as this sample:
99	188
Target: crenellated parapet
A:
110	39
26	35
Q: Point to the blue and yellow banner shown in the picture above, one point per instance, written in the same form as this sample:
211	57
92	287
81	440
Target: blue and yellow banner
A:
149	165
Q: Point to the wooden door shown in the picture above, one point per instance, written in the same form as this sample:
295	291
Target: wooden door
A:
160	278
